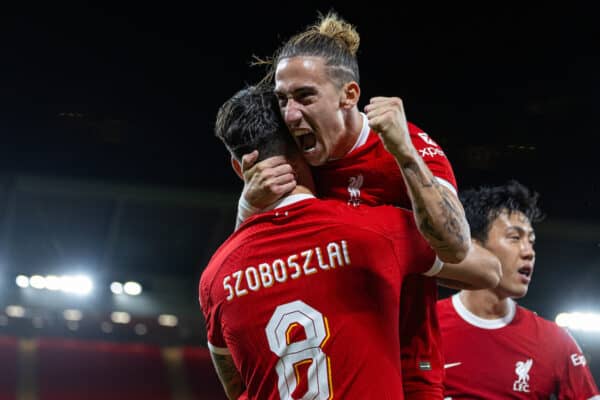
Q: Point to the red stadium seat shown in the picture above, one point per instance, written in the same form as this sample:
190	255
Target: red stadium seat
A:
74	370
9	364
203	380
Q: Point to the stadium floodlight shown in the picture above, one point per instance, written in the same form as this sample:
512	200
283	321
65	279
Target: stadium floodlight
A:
72	315
578	321
22	281
167	320
132	288
37	282
120	317
116	287
79	284
52	282
15	311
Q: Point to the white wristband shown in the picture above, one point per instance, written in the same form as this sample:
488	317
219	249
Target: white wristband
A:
245	210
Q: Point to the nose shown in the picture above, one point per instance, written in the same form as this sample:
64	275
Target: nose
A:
292	114
527	251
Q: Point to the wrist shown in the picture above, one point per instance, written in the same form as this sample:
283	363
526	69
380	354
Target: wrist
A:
245	209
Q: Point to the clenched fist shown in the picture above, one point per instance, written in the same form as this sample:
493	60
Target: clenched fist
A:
386	117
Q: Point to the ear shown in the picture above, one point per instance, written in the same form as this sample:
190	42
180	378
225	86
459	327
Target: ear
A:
237	167
350	95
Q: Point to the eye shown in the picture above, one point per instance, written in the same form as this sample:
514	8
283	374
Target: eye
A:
282	100
305	97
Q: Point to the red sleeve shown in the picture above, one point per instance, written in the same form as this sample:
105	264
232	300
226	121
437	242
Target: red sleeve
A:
575	379
432	154
409	245
212	316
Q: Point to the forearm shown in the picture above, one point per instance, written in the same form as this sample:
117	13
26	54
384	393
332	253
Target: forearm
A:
228	375
479	270
438	212
454	284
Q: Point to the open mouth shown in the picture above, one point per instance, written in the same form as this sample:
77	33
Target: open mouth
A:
525	271
307	141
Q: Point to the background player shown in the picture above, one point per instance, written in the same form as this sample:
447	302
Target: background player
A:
495	349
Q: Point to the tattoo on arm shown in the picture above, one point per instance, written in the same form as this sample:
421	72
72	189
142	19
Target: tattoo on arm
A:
451	221
228	374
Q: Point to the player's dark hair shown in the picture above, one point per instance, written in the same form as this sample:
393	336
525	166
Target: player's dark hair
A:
484	204
250	120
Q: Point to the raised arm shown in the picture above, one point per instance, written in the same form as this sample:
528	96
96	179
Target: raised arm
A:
438	212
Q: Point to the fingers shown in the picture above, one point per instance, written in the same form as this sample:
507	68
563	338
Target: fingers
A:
249	159
379	102
281	185
271	178
267	181
264	164
385	112
379	111
276	165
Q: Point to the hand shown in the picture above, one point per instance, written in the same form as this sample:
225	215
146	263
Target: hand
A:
386	117
266	181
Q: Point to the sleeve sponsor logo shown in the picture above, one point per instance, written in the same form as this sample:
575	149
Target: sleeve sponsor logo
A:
425	137
431	152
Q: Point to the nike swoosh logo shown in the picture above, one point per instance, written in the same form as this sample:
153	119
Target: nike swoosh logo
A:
456	364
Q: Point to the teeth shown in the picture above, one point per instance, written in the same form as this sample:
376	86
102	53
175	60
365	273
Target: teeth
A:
307	141
525	271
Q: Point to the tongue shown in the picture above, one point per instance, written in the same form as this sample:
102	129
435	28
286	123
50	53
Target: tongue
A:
308	141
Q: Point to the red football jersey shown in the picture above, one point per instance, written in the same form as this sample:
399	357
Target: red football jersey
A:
370	175
520	356
305	299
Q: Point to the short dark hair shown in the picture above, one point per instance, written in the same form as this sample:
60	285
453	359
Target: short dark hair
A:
484	204
250	120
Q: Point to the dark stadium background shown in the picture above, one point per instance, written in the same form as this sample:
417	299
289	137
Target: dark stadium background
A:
109	165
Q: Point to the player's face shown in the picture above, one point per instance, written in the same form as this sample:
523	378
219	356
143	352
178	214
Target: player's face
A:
511	239
311	107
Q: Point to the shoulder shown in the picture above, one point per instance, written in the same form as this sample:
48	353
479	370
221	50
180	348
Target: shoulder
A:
419	134
444	304
222	258
548	330
383	219
445	310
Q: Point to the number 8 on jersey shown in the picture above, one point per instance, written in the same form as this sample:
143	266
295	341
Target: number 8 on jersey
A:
285	319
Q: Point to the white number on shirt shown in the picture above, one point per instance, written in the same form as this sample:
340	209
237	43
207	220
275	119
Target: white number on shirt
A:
291	355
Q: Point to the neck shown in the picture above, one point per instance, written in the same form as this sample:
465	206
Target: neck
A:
485	303
353	123
301	189
288	199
